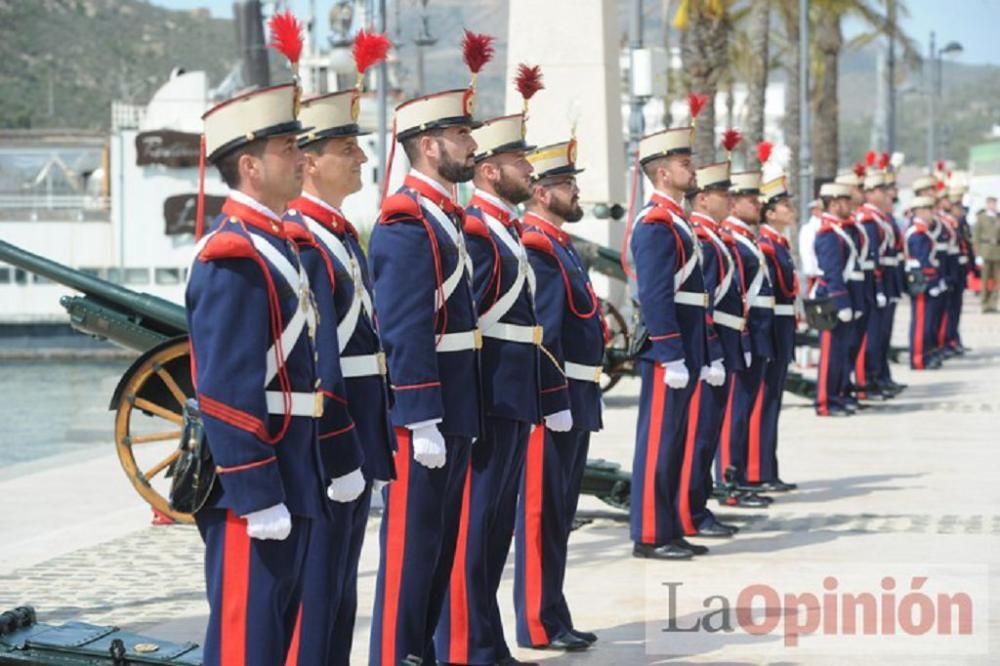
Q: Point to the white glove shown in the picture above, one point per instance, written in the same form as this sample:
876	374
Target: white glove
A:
274	522
676	375
942	285
560	421
934	291
747	359
716	374
346	488
845	314
428	446
881	300
378	485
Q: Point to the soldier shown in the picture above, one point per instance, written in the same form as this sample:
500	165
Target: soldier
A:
777	217
471	630
573	347
924	268
710	204
741	422
807	244
338	271
948	212
837	260
260	386
861	283
933	312
966	258
987	244
870	218
892	263
427	320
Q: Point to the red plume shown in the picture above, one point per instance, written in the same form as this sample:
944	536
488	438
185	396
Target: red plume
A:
883	161
286	36
730	139
870	158
859	170
939	185
477	50
529	80
370	48
764	151
696	103
940	165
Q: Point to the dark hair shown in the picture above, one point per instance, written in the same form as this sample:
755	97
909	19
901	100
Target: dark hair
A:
411	144
650	166
229	164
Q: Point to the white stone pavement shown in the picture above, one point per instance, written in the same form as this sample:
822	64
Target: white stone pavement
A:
904	489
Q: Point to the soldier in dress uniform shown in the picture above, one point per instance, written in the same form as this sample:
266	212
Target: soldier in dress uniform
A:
924	266
891	262
838	264
871	220
777	217
573	348
422	276
742	419
948	338
265	396
987	247
966	257
338	270
710	204
932	355
861	283
471	629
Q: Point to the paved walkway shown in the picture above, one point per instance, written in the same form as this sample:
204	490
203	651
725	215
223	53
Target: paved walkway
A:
903	491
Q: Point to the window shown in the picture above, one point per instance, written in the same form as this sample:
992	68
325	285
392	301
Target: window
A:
40	279
136	276
4	276
92	272
20	276
115	275
168	276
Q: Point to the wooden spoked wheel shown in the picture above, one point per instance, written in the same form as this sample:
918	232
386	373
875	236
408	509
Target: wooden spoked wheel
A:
617	348
148	421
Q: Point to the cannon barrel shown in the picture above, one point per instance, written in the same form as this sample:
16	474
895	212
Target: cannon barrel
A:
106	310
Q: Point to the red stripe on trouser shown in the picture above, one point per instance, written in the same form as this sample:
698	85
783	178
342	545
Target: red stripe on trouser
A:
293	650
918	332
859	365
395	546
652	453
458	621
823	394
943	329
235	592
753	455
725	438
684	499
533	494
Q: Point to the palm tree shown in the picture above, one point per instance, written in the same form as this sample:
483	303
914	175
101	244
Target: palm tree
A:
757	33
705	27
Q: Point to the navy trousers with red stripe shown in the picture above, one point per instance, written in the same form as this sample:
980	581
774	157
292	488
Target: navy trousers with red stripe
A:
833	368
953	338
704	424
330	590
661	435
734	439
869	362
923	313
883	375
550	490
762	460
417	543
254	590
470	630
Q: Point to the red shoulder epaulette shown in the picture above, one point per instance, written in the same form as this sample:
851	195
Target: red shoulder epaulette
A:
658	214
227	245
476	226
399	207
297	233
702	233
825	228
536	240
766	247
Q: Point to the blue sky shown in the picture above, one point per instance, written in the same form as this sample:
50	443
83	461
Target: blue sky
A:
973	23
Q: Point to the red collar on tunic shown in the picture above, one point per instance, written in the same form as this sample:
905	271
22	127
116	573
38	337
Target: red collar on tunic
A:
735	226
705	221
493	210
428	191
773	236
328	217
252	217
665	201
549	229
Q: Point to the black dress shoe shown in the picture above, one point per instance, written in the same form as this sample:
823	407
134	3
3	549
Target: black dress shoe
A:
778	486
714	530
514	661
681	542
588	636
747	501
566	642
733	529
665	552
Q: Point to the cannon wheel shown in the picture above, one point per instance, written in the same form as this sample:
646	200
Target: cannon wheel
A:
148	406
617	346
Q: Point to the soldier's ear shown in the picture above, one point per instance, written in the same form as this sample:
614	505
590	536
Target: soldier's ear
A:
248	167
429	146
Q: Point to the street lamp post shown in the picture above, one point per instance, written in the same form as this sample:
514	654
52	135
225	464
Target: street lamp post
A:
932	77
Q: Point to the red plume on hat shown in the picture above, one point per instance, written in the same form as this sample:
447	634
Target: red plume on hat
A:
477	50
764	149
370	48
286	37
940	165
528	82
883	161
730	139
696	103
859	169
870	158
